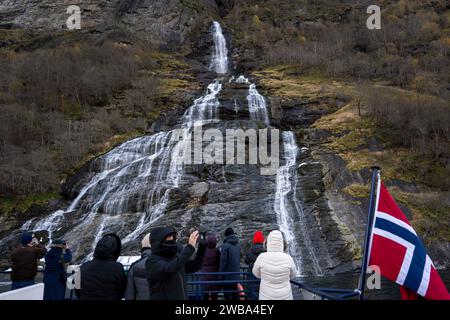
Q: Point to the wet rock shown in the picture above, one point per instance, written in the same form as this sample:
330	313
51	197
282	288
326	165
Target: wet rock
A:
402	185
72	185
225	6
199	194
161	21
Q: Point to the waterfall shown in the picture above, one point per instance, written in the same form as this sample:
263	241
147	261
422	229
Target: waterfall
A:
242	79
219	61
284	187
257	106
204	109
288	209
50	224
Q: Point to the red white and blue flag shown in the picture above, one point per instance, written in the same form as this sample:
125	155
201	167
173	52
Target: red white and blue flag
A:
399	253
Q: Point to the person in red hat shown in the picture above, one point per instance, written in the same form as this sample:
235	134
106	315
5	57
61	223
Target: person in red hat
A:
255	250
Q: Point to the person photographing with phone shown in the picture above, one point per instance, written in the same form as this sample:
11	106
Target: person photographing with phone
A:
55	275
170	261
25	261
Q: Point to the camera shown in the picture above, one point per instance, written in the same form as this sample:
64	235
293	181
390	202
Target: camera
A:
203	234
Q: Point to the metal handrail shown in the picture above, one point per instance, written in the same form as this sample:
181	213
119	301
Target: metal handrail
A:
198	286
324	293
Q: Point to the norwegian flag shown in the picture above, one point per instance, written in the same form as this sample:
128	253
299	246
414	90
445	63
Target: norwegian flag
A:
399	253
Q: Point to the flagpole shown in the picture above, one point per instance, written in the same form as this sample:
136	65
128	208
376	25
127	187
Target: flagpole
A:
373	188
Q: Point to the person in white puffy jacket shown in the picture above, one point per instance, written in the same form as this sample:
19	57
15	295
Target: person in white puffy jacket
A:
275	269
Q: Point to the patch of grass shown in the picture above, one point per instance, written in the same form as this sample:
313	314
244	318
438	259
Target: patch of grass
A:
357	190
356	252
167	62
7	35
397	163
350	242
156	113
73	110
192	4
172	85
343	229
350	140
431	213
23	203
354	140
345	120
291	81
174	73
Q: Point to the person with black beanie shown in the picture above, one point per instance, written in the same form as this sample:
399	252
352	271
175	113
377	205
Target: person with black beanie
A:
230	261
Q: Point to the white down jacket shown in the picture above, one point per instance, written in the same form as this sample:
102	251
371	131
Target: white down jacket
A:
275	269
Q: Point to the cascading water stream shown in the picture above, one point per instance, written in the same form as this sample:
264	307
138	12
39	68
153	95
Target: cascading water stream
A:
286	201
204	109
284	188
219	61
257	106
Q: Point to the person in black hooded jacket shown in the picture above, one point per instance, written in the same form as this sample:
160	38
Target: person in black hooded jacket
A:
103	278
169	262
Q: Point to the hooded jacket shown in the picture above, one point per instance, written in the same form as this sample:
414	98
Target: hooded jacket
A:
211	262
55	260
230	257
252	254
255	250
104	278
167	266
275	269
137	286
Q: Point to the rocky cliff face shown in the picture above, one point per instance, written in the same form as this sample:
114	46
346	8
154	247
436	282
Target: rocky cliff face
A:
213	197
165	21
330	230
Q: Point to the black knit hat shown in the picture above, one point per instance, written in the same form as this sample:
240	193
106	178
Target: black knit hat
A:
229	232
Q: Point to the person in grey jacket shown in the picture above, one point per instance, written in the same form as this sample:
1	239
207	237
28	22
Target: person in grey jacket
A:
137	286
